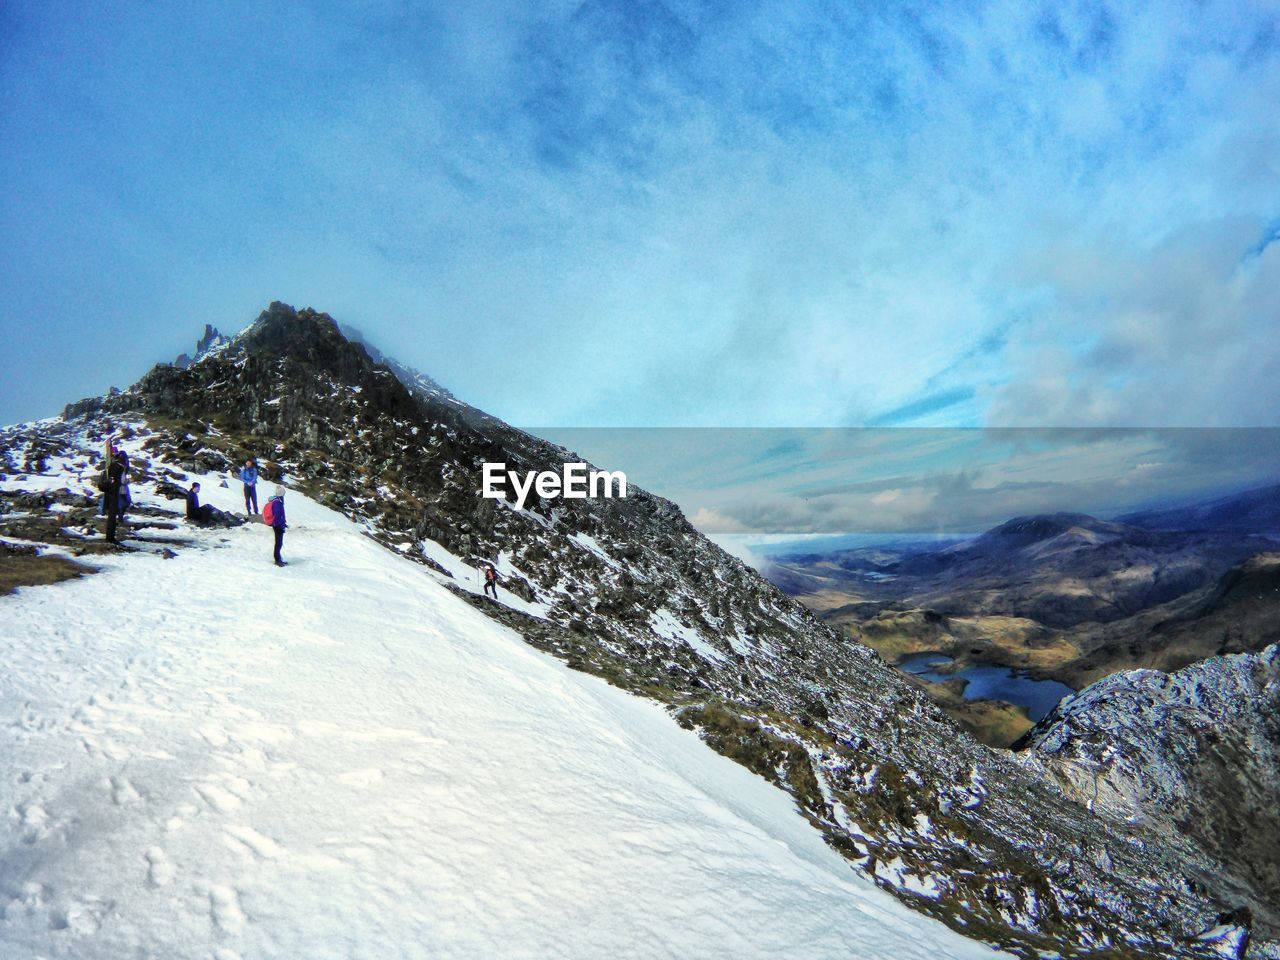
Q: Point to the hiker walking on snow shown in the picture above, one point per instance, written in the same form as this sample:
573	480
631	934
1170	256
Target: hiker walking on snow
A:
273	516
249	477
490	580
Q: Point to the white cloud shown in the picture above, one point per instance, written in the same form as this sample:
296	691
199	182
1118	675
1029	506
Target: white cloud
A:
1180	334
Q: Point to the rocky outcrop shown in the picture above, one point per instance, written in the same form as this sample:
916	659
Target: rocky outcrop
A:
1195	752
210	341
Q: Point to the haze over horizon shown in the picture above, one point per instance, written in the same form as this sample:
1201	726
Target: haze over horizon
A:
639	213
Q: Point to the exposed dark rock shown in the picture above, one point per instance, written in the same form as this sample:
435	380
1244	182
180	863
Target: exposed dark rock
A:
1196	752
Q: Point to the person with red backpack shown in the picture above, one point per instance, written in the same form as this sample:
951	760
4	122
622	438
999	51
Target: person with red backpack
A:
490	580
273	516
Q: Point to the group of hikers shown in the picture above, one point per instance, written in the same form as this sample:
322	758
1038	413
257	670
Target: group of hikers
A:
272	512
116	499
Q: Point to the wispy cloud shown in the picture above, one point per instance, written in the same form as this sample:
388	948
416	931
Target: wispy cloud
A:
1180	333
645	212
943	481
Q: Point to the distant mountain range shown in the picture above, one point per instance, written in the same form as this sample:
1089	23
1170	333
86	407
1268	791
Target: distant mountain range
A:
1060	570
1253	511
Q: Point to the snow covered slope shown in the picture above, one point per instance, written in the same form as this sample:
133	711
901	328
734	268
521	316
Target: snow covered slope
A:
205	756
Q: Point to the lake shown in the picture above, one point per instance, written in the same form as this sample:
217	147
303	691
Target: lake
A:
987	681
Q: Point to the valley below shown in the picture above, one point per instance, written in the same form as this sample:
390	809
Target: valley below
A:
997	629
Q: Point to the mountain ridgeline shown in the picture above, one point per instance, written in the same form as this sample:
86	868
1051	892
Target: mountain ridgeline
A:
628	590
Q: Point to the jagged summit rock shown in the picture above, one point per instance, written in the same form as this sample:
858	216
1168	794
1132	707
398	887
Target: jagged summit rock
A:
210	341
308	338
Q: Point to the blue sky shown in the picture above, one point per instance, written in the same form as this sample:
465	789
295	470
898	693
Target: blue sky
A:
642	213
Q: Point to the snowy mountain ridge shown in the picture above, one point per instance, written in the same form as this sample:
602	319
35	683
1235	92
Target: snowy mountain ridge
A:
201	765
629	591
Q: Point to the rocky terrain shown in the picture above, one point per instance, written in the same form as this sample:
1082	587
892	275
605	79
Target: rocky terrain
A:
626	589
210	341
1196	752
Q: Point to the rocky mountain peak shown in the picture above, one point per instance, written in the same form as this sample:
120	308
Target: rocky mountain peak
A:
210	342
1023	531
309	339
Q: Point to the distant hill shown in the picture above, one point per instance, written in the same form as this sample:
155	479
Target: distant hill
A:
1065	529
1238	613
1254	511
1059	569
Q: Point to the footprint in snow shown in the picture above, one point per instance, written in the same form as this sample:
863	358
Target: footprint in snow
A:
213	734
83	917
34	821
123	792
160	871
224	910
222	801
241	837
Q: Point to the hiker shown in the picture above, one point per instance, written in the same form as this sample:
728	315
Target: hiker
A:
249	477
197	512
490	580
125	500
113	478
273	516
112	454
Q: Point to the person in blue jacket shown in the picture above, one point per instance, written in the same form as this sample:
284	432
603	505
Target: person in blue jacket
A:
198	512
249	477
277	520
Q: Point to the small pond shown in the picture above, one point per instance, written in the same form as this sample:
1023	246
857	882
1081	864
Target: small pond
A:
988	681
